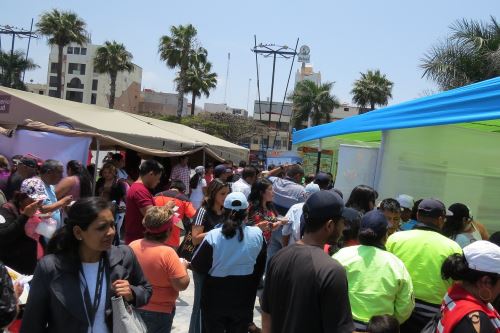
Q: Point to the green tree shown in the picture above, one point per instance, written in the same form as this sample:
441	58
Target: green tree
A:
113	58
312	103
199	80
62	28
470	54
179	50
372	89
11	69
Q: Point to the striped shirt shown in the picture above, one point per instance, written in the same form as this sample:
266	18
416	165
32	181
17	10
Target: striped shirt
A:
207	218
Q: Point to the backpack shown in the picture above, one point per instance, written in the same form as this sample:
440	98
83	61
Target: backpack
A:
432	325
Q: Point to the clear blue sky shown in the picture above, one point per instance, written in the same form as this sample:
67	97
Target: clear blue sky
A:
345	37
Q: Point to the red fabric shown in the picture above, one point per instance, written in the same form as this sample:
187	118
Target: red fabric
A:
209	178
138	196
462	303
262	215
186	209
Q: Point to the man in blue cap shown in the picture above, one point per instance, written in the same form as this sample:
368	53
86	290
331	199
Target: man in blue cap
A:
305	290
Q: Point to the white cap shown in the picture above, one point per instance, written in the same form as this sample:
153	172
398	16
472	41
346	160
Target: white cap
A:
236	201
405	201
483	256
312	188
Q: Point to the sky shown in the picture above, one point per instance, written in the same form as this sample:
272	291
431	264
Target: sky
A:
345	38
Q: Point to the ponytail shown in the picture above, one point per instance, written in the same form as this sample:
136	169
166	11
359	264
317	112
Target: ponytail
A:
455	267
234	221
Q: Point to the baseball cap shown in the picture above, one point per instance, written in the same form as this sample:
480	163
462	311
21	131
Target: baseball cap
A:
322	179
220	169
28	161
405	201
312	188
375	221
236	201
459	211
483	256
352	218
433	208
323	205
199	169
34	188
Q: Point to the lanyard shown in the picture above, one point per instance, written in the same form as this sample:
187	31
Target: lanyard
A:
90	308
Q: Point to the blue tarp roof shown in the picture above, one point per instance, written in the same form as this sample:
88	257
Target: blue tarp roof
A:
475	102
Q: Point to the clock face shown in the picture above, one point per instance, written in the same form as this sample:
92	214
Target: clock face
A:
304	49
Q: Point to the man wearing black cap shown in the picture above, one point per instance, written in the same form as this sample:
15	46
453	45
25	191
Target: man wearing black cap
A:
305	290
26	167
423	251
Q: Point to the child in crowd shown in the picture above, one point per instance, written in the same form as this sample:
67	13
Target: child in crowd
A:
383	324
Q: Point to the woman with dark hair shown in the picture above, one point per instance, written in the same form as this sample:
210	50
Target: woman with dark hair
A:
162	267
362	198
467	305
379	282
233	257
460	226
209	215
78	182
198	186
109	187
72	286
261	210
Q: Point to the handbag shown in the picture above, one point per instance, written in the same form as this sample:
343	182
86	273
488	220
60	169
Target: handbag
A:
125	318
186	249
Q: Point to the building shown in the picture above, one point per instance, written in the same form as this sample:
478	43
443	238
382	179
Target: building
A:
37	88
80	83
151	101
306	72
224	108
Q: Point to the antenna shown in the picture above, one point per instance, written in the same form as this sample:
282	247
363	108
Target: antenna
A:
227	76
248	93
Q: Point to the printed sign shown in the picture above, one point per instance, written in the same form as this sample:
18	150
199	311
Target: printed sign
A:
304	54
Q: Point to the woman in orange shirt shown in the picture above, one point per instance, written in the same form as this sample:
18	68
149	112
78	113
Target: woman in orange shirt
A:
162	268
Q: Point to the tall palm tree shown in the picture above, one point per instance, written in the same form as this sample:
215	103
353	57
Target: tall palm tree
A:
12	67
199	80
312	103
471	54
179	51
112	58
62	28
372	89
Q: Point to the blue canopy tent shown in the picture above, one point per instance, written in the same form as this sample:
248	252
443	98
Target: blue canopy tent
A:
445	146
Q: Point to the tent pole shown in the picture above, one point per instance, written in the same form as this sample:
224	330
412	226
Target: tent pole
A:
204	157
319	155
98	147
376	180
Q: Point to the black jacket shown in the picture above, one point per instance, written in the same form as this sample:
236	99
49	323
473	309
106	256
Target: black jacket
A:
55	302
17	250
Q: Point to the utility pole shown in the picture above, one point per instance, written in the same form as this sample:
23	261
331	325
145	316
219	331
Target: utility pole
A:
15	32
248	93
227	77
268	50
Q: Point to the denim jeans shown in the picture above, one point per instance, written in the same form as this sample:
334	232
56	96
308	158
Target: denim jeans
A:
157	322
195	323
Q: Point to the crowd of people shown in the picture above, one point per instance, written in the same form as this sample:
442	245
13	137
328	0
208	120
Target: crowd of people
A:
314	258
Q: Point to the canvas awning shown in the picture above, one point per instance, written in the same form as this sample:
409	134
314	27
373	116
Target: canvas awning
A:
17	107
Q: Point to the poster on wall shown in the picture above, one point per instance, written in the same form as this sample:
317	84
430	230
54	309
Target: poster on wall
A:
327	162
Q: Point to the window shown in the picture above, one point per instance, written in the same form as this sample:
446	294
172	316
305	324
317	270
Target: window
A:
76	69
83	51
94	84
70	50
93	98
75	96
75	83
53	67
41	92
53	81
346	109
53	93
76	50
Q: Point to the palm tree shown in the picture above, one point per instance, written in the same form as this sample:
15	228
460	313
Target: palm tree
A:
373	88
471	54
199	80
62	28
179	50
312	103
11	68
112	58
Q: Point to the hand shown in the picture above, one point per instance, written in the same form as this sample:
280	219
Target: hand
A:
282	220
18	289
31	209
276	225
264	225
67	200
184	263
122	288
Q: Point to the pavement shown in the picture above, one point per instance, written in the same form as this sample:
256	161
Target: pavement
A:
184	305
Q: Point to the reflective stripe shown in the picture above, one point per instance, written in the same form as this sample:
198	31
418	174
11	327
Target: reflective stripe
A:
449	302
440	327
426	310
495	322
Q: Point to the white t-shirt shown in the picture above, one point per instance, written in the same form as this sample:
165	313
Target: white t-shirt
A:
90	271
292	228
197	193
242	186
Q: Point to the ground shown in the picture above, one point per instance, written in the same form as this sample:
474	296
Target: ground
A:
184	305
